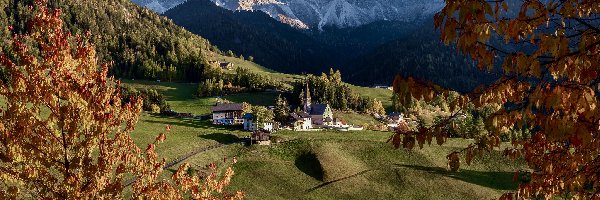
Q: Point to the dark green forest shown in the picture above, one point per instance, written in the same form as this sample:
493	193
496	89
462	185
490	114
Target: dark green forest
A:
420	55
330	89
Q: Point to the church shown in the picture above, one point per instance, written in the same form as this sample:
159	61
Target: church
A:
320	114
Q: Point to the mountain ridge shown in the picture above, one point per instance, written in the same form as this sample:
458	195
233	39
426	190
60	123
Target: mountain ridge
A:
321	13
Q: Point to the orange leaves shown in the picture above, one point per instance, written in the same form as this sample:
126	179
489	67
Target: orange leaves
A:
406	137
453	161
507	196
469	155
408	142
512	153
82	148
504	5
396	140
449	32
550	87
440	136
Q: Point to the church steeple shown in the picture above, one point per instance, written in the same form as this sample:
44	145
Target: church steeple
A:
306	99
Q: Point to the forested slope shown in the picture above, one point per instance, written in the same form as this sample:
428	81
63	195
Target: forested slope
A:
141	43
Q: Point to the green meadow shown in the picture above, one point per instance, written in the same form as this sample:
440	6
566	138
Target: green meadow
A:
321	164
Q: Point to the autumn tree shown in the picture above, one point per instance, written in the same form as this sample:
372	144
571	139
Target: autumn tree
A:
548	54
282	109
262	115
65	133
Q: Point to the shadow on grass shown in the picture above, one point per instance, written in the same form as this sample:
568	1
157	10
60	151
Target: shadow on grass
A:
191	123
174	91
341	179
221	138
255	98
494	180
309	164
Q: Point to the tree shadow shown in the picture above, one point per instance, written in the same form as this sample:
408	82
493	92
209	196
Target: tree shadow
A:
340	179
192	123
309	164
221	138
494	180
173	91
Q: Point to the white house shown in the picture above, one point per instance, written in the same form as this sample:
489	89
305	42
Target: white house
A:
393	119
228	114
300	121
337	122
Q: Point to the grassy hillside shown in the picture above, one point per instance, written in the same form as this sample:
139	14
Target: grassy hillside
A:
384	95
180	96
324	164
359	165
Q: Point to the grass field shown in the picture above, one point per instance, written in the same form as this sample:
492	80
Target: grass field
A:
323	164
360	165
356	119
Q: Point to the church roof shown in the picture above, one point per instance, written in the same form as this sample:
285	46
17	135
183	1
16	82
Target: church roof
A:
318	109
299	115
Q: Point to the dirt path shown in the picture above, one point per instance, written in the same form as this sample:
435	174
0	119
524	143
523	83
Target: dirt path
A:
185	157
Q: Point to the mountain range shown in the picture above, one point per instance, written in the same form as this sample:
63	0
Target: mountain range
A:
280	46
368	54
317	14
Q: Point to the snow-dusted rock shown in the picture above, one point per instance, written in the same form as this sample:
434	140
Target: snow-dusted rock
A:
320	13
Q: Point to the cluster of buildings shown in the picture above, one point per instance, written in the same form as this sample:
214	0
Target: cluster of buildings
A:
312	117
393	119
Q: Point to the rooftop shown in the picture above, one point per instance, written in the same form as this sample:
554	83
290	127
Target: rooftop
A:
299	115
318	109
228	107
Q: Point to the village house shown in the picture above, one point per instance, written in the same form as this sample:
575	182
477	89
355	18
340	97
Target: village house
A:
337	122
226	65
261	137
300	121
228	114
394	118
251	125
